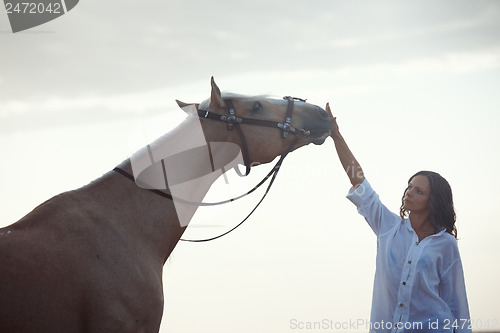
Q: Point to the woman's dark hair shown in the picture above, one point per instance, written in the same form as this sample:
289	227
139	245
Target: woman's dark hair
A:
441	210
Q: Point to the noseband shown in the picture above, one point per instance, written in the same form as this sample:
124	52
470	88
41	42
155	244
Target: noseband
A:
233	121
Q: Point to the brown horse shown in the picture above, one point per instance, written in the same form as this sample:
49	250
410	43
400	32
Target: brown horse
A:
91	260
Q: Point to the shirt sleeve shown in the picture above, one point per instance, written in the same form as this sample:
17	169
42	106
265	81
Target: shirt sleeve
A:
452	291
371	208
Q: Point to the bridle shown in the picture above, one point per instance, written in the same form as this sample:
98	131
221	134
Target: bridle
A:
234	122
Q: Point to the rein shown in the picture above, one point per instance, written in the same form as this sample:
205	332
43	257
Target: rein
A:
233	121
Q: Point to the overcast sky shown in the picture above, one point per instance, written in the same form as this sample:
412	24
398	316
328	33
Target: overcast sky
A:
414	85
110	48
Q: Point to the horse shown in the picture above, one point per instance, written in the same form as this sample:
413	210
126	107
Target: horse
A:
91	259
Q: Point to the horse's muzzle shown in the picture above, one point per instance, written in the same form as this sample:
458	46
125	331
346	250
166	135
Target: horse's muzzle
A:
319	135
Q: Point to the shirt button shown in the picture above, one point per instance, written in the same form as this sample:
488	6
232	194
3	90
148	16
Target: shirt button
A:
401	304
409	261
417	243
404	283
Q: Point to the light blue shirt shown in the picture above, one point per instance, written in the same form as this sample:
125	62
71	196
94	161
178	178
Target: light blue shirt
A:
419	286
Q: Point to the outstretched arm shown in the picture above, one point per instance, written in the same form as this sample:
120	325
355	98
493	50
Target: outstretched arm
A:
349	162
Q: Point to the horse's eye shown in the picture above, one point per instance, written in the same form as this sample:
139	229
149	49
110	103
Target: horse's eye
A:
257	107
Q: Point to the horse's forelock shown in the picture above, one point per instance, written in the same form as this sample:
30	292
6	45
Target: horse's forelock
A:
233	96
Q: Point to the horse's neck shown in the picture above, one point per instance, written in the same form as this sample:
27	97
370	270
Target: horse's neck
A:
191	168
182	163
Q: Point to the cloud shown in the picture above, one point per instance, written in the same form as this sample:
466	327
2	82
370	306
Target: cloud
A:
453	62
312	83
67	111
99	48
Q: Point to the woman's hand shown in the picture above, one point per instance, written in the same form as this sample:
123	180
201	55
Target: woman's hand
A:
335	133
349	162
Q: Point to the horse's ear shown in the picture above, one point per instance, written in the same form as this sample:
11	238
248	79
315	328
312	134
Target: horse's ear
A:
216	101
190	108
182	104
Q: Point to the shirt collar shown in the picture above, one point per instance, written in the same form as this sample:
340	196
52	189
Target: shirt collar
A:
408	224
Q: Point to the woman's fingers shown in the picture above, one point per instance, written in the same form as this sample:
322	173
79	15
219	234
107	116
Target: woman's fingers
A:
329	110
334	119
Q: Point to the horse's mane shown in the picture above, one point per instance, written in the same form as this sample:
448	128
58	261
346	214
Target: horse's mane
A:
229	95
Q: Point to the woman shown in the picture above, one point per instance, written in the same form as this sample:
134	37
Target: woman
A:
419	282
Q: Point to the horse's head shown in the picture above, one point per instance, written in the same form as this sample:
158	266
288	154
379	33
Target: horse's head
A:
262	126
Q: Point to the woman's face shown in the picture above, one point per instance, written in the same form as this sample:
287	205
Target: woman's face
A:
417	194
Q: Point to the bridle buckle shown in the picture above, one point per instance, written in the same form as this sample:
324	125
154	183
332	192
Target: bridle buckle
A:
231	119
286	128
